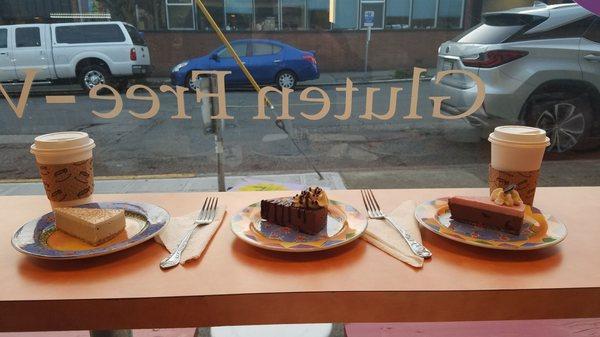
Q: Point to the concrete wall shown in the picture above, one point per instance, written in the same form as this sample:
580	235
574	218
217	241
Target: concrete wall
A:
336	51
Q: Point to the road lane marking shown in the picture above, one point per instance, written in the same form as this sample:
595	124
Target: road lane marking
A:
60	99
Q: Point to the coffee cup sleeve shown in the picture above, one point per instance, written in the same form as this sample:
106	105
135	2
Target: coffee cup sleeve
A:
68	182
525	182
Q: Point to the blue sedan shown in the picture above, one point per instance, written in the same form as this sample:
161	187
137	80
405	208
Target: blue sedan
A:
269	62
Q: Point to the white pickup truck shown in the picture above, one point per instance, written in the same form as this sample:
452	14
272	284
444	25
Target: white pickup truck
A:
90	53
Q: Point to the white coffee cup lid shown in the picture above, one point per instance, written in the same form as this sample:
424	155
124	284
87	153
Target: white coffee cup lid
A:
60	141
519	134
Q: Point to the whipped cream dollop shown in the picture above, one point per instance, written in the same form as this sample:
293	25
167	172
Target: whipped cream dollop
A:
312	197
508	196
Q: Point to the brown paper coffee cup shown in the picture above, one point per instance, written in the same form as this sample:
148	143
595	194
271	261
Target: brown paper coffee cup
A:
68	182
525	181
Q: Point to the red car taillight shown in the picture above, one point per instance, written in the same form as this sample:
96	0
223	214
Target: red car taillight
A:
310	59
133	54
494	58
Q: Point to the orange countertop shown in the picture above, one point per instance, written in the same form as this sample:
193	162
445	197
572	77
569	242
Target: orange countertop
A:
235	283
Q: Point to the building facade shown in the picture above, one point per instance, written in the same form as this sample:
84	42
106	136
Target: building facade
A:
406	33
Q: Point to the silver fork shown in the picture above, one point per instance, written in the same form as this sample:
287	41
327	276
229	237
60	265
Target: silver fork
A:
205	217
375	212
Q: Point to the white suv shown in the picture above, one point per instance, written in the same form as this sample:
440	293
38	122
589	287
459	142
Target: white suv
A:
541	67
90	53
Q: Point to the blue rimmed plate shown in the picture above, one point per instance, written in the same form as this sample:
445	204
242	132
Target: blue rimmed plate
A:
540	230
344	225
39	237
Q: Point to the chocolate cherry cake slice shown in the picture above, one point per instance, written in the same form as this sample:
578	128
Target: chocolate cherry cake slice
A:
503	210
305	212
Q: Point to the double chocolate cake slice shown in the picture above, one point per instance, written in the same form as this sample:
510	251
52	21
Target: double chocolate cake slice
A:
306	212
503	211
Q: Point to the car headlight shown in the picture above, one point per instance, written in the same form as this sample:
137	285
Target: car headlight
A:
179	66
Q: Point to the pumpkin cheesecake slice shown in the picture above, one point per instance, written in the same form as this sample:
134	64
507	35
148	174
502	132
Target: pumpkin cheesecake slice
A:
91	225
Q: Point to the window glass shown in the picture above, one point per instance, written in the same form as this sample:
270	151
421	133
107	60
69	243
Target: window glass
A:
135	36
238	14
3	38
397	14
215	8
266	15
486	34
450	14
89	34
318	14
376	7
262	49
346	15
423	14
593	33
151	15
180	14
28	37
293	14
240	49
571	30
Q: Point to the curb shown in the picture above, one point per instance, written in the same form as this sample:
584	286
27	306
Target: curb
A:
156	85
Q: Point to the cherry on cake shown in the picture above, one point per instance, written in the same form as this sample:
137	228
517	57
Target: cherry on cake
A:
305	212
91	225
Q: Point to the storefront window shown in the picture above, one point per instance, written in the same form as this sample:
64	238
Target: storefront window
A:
375	6
397	14
267	15
346	14
180	14
151	15
423	14
293	13
238	14
215	8
450	14
318	14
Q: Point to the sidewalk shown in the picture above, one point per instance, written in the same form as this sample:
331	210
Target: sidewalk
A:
554	173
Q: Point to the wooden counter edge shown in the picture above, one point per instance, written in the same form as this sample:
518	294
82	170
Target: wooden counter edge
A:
311	307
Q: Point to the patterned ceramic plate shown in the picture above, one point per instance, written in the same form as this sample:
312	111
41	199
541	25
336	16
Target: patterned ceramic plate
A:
344	225
40	238
540	231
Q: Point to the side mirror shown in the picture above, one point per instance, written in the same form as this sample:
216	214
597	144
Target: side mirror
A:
215	57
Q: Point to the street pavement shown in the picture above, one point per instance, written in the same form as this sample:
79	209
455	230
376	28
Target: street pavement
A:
407	153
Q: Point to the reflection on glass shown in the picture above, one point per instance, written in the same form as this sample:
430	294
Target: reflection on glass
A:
376	7
240	48
215	8
293	14
318	14
238	14
450	13
345	15
266	15
151	15
424	14
180	14
397	14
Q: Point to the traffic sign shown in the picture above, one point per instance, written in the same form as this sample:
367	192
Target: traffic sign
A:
369	18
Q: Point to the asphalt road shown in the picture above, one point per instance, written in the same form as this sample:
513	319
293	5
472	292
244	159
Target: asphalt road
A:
162	145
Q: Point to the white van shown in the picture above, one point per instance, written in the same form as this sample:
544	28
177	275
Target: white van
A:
90	53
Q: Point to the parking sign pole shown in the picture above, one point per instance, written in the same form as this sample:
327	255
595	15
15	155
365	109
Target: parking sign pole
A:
367	49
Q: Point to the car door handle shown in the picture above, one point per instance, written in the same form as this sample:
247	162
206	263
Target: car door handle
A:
276	61
592	58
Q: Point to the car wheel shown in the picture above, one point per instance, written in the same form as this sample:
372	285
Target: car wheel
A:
286	79
92	76
192	85
567	123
